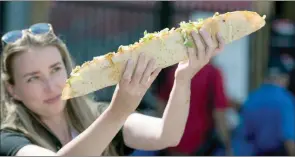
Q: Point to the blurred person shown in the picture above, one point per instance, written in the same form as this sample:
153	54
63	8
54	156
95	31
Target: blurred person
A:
291	85
35	121
267	117
206	128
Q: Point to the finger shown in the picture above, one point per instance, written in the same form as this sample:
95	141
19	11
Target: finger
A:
128	72
221	43
208	41
148	71
154	76
199	44
140	67
192	55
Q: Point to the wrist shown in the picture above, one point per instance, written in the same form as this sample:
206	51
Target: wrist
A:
182	81
123	102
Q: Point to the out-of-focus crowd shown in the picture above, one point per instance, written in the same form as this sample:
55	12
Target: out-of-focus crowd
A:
264	124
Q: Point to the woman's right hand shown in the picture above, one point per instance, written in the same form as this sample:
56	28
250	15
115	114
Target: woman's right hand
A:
199	56
136	80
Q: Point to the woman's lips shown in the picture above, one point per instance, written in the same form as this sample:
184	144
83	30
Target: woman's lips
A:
52	100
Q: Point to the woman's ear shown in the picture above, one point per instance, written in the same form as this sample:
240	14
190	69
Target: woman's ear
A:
11	90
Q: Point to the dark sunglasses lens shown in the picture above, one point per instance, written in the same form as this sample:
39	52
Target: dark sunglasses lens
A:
11	37
40	28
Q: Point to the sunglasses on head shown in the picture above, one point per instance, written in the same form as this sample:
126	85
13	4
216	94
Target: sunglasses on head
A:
36	29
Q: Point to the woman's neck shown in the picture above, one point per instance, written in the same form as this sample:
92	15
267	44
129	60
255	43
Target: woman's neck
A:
59	126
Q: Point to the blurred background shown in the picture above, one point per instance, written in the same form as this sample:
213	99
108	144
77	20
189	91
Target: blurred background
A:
94	28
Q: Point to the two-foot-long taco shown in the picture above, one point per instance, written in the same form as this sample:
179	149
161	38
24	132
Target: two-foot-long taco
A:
168	47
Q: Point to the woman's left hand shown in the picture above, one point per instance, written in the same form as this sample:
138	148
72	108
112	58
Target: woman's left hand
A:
199	56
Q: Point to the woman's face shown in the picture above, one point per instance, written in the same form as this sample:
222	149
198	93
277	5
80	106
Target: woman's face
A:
39	77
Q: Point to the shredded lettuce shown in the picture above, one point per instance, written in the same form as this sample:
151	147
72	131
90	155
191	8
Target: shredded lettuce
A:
190	26
200	20
147	36
186	28
163	32
188	43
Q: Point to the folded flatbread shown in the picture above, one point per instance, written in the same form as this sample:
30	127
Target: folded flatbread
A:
168	47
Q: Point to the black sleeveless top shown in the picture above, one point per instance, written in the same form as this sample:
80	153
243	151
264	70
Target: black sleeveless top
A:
12	141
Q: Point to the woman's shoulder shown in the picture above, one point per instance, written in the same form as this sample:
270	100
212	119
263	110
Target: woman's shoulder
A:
11	142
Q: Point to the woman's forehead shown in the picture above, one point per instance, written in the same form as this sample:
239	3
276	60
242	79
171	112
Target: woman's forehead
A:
37	58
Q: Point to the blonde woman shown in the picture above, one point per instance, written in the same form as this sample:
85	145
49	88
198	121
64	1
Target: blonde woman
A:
35	66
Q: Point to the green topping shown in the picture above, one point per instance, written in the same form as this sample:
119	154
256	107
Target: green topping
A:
145	33
147	36
186	28
188	43
189	26
200	20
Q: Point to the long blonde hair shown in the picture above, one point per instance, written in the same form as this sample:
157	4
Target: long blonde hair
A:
14	114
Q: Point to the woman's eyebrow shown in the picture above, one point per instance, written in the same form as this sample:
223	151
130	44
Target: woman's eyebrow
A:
36	72
31	73
55	64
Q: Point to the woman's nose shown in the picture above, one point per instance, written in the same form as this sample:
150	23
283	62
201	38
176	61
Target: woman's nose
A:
49	85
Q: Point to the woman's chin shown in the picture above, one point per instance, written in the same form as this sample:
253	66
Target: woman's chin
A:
57	107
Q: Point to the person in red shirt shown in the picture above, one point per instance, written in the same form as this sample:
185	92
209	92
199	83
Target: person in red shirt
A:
208	100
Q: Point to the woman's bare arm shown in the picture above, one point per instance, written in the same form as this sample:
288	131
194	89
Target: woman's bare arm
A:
150	133
94	140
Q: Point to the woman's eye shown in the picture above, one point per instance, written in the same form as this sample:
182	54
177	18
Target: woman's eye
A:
33	78
56	69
